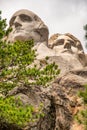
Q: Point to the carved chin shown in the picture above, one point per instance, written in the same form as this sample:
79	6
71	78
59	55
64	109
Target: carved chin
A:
22	37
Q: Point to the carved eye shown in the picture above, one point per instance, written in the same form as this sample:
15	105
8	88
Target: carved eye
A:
60	41
12	20
72	43
25	18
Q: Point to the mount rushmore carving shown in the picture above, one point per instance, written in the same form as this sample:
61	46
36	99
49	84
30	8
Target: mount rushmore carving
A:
66	51
27	25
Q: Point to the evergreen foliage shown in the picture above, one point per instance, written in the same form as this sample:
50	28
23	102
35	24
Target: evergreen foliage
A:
15	61
3	25
13	111
14	67
85	28
82	115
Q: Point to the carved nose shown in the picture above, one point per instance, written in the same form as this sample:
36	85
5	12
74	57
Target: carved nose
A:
17	22
67	45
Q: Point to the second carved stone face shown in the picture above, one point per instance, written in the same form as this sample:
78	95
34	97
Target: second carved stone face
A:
64	44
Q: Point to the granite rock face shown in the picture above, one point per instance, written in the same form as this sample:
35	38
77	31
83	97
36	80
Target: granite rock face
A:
61	102
60	99
27	25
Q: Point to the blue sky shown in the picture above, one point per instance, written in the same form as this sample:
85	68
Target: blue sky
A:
61	16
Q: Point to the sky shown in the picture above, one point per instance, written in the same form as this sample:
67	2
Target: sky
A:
61	16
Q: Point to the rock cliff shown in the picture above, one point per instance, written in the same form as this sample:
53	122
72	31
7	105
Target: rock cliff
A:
60	99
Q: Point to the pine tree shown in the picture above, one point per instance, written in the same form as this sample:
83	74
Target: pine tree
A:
85	28
14	70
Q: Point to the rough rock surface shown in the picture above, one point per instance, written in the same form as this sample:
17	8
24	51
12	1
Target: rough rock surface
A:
67	102
27	25
60	99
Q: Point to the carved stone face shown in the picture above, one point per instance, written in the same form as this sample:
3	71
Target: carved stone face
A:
65	44
68	47
26	25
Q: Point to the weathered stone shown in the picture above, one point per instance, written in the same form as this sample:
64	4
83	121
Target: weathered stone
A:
60	100
65	94
26	26
68	47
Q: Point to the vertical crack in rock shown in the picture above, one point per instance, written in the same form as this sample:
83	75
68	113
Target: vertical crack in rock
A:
63	116
48	121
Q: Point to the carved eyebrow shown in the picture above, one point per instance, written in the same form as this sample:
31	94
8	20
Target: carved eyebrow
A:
60	41
72	43
25	17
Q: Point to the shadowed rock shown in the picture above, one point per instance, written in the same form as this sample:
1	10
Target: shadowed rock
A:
60	100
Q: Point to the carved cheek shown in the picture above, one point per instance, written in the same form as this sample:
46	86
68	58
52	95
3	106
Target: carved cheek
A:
59	48
74	49
28	26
